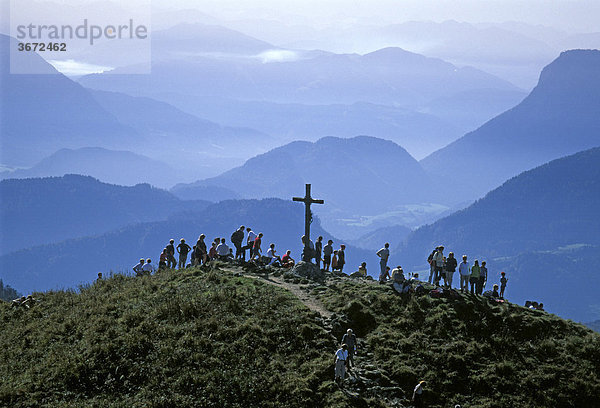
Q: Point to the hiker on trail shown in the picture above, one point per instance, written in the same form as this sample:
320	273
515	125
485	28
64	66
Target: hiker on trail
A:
349	339
250	242
431	264
318	251
341	258
474	279
237	238
256	250
183	250
385	275
418	395
465	273
286	260
450	268
327	252
171	262
223	250
201	252
275	260
483	273
503	281
384	254
438	261
308	249
340	364
212	252
148	268
162	261
139	267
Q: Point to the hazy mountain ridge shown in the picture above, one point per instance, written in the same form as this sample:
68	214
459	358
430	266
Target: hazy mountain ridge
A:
109	166
332	165
47	210
558	118
544	209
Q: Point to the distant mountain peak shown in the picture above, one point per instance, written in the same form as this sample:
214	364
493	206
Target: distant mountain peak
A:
573	68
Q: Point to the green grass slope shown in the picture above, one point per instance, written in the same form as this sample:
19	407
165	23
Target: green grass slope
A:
472	352
212	338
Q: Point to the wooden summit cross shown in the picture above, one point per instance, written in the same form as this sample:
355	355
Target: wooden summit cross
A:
307	200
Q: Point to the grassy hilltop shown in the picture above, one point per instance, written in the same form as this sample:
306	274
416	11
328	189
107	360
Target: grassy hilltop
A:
209	337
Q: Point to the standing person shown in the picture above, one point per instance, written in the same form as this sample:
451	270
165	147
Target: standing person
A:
349	339
250	242
201	248
341	261
438	261
148	268
327	252
418	394
431	264
464	270
162	262
340	364
334	261
308	249
212	252
475	272
183	250
483	273
256	251
236	239
318	251
171	262
503	281
450	268
384	254
139	267
223	250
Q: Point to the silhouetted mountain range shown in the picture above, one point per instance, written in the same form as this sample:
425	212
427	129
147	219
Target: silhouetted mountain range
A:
558	118
46	210
542	227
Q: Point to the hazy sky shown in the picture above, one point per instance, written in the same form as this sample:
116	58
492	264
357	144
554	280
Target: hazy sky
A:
572	15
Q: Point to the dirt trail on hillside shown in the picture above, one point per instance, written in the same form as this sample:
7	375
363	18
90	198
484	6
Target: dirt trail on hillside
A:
300	291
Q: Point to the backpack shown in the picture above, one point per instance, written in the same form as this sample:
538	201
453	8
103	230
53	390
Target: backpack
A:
430	257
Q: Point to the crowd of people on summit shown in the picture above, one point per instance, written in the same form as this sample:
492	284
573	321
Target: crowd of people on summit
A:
244	240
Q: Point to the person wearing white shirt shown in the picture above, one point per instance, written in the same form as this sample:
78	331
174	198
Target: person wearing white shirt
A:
271	254
139	268
341	356
250	241
465	273
384	254
223	250
148	268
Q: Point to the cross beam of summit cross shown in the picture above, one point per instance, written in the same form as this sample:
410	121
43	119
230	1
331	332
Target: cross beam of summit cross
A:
307	200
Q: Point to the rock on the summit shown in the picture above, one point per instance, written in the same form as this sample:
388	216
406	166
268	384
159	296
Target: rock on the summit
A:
308	270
